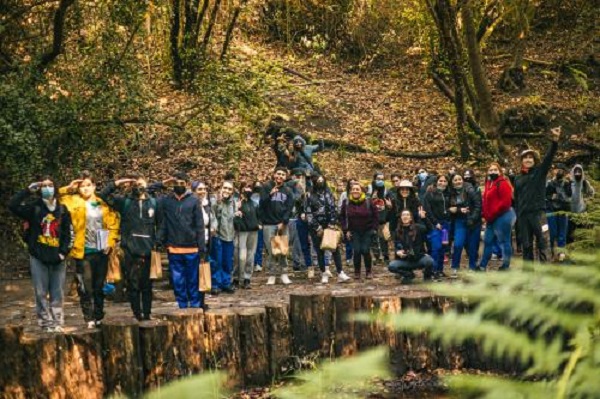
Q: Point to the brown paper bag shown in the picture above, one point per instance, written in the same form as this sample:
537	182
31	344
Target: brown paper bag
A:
155	265
114	265
205	283
385	232
279	245
331	239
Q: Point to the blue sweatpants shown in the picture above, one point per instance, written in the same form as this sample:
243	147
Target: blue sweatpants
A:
184	274
222	267
437	249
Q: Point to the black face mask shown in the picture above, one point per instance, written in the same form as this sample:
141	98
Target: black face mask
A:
256	189
578	177
493	176
137	191
560	175
179	190
247	194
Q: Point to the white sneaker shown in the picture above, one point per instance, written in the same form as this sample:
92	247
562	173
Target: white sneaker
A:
271	280
57	329
285	279
561	257
343	277
258	268
328	273
324	279
348	262
91	324
311	273
454	273
494	257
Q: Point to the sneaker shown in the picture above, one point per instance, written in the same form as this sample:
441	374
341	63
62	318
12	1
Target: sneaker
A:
98	323
258	268
310	273
454	273
215	292
271	280
91	324
562	257
324	279
229	290
369	276
246	284
343	277
494	257
357	275
285	279
328	273
348	262
57	329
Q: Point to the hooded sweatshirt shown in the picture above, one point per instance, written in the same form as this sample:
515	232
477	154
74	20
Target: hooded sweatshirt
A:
303	158
276	208
579	190
51	231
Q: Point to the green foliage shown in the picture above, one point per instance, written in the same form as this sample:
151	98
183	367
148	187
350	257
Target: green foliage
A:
205	386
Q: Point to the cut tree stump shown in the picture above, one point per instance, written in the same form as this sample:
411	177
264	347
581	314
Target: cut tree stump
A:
122	357
311	323
11	360
187	342
279	339
155	342
253	346
223	349
82	370
40	367
344	305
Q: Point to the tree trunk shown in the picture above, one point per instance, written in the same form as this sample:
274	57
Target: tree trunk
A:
211	24
254	352
311	323
186	338
58	34
279	338
122	360
174	41
344	306
223	351
487	114
230	29
82	367
11	359
155	343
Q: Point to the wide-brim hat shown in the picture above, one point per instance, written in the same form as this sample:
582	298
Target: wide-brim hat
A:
536	155
405	184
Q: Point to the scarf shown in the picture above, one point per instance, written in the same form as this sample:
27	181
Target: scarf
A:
358	201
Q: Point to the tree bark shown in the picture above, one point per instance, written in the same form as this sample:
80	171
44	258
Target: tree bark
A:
11	360
343	327
230	29
223	351
82	369
155	342
186	338
279	338
174	42
122	357
211	24
254	352
58	34
311	323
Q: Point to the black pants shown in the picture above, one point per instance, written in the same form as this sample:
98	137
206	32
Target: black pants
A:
91	275
530	225
361	244
337	256
139	285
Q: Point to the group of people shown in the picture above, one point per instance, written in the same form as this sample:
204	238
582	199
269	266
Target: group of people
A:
425	218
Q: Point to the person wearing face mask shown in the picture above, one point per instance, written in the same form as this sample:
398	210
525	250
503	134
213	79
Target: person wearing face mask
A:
321	213
222	243
410	247
465	208
247	227
558	202
530	189
419	182
499	216
381	199
580	190
343	198
49	238
436	203
297	226
139	222
473	240
360	222
260	243
96	228
181	232
276	203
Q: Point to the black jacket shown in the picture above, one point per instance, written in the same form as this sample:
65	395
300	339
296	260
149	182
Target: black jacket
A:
413	242
249	219
276	208
321	210
50	232
562	190
139	220
182	223
399	204
530	187
470	198
436	204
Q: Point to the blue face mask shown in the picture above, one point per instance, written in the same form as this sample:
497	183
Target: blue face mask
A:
47	192
422	176
379	183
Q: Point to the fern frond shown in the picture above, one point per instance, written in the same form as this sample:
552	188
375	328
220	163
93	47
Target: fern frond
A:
500	388
207	385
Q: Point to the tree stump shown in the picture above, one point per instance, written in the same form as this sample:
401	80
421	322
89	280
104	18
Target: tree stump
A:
155	343
223	349
187	346
82	370
11	362
454	357
253	346
344	306
279	339
379	331
122	357
311	323
40	365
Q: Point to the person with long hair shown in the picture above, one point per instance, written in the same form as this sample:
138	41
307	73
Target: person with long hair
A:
247	226
499	216
96	228
436	203
49	240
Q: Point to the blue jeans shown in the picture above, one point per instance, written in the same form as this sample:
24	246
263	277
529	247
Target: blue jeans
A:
501	229
558	226
302	231
348	246
48	285
437	249
473	240
222	267
260	244
465	237
184	273
405	268
298	260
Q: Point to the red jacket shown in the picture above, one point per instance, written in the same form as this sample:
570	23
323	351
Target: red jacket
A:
497	198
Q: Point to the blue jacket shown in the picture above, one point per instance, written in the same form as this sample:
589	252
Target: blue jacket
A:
182	223
303	159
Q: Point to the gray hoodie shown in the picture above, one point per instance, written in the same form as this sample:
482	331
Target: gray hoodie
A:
581	189
303	158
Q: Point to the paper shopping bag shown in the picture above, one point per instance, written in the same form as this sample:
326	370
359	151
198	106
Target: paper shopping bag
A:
114	265
331	239
205	283
155	265
279	245
385	232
